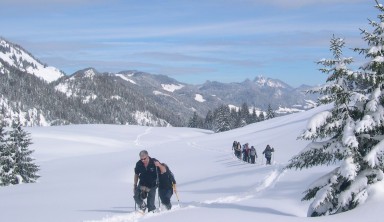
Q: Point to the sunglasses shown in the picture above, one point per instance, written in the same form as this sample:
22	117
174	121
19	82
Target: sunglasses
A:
144	158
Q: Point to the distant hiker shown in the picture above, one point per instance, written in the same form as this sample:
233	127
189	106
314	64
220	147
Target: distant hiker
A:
234	145
243	151
246	153
147	170
238	150
268	153
253	154
166	184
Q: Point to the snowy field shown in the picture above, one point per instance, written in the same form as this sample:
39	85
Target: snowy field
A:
87	175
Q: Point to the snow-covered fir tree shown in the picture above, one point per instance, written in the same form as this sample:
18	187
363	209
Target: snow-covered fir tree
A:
349	135
195	121
4	157
270	113
23	169
222	119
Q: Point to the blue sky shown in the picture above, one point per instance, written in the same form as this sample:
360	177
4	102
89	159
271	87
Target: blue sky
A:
189	40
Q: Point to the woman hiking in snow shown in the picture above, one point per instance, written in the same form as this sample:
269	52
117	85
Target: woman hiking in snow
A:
166	183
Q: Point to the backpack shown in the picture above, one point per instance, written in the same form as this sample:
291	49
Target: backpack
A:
253	152
167	179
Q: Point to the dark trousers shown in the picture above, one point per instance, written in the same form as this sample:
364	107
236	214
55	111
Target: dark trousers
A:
268	160
253	159
150	198
165	197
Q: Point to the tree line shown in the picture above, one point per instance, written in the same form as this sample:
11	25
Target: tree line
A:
225	118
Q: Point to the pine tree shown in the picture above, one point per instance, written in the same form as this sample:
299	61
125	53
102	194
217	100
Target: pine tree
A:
350	133
222	119
3	154
254	116
261	117
24	170
244	114
195	121
208	121
270	113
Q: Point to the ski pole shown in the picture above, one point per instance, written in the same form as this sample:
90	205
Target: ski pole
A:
157	184
177	195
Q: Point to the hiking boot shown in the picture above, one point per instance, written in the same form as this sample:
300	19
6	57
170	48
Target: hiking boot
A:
155	210
143	207
168	206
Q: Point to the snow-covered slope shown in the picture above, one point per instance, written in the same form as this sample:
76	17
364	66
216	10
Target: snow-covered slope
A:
17	57
87	175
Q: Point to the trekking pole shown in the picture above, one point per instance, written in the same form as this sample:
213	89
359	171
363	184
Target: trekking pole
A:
177	195
157	184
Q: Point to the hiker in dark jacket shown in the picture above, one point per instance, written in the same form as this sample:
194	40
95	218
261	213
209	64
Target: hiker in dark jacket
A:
238	150
234	145
146	173
166	183
268	153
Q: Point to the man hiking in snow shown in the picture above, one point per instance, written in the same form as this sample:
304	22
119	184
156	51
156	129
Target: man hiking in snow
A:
166	183
147	173
253	154
268	153
238	150
234	145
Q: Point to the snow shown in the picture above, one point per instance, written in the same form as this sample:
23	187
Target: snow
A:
199	98
315	123
258	111
158	93
89	98
284	110
90	73
116	97
16	56
126	79
171	87
268	82
87	175
31	117
146	119
64	88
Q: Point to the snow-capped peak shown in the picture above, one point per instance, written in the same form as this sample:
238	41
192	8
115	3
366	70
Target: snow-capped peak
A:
17	57
90	73
262	81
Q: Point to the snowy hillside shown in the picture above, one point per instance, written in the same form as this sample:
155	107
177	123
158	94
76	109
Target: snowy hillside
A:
17	57
87	175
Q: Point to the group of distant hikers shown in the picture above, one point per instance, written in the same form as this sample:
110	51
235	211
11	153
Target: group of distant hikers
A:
249	154
150	175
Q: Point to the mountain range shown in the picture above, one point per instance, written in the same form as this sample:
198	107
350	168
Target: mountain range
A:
38	94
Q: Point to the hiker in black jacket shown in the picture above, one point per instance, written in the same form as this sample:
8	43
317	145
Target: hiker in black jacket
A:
268	153
147	170
166	183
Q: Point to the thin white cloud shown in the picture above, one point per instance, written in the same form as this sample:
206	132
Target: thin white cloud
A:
47	2
302	3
